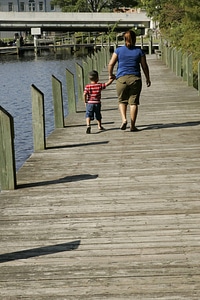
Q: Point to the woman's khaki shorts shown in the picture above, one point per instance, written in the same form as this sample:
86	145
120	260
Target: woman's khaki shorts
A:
128	89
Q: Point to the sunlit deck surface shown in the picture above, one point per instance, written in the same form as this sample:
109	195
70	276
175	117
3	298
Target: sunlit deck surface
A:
110	215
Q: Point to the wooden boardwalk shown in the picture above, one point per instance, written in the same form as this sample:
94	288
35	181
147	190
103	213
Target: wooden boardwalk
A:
111	215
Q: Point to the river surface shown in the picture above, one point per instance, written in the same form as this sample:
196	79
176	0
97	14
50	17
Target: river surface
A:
16	77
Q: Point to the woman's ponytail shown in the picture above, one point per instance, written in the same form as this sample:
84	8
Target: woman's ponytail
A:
130	38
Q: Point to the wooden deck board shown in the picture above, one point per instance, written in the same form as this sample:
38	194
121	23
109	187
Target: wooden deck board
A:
111	215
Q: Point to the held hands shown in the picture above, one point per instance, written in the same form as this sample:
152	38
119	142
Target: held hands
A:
113	77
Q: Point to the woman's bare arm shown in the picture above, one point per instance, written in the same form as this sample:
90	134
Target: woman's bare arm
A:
111	65
145	69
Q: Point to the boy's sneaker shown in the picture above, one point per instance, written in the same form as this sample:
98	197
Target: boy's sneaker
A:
88	130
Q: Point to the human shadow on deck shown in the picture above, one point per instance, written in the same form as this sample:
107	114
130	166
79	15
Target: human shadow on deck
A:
59	180
39	251
84	125
77	145
168	125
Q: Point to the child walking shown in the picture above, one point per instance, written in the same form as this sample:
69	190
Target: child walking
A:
92	98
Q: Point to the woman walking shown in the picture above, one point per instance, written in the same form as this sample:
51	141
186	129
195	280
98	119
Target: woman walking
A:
129	83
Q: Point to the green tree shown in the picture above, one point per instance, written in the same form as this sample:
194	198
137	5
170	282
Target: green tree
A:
179	22
93	5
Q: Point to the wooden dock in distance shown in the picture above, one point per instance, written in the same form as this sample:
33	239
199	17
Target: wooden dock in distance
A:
112	215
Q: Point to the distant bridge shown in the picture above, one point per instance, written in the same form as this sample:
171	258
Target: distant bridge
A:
58	21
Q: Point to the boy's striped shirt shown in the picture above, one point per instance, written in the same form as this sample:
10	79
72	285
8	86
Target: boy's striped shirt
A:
93	92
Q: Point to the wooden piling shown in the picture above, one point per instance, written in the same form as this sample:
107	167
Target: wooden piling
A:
178	63
38	116
79	80
85	72
57	102
7	152
70	92
189	70
199	78
184	67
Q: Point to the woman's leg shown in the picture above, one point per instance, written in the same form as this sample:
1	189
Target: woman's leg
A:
123	110
133	115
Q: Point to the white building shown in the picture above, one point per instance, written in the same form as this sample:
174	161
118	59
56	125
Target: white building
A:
27	6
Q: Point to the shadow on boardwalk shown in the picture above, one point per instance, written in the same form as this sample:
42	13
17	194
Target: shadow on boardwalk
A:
170	125
114	215
60	180
39	251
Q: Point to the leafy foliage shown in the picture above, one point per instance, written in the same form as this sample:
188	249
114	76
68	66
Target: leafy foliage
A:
93	5
179	23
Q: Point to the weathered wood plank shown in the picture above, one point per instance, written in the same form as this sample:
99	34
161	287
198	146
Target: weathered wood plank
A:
111	215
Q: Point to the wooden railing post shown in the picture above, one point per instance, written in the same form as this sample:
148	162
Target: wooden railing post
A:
57	102
184	67
85	72
38	116
108	54
142	41
99	61
90	63
174	51
7	152
70	92
164	53
189	70
199	78
94	63
150	44
102	53
178	62
79	78
170	58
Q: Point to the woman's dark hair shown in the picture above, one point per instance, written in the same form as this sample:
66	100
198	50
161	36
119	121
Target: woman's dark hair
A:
130	38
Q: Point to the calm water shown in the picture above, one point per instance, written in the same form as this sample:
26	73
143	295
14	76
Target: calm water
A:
16	78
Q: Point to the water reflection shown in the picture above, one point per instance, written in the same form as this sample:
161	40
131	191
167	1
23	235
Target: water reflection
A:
16	77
